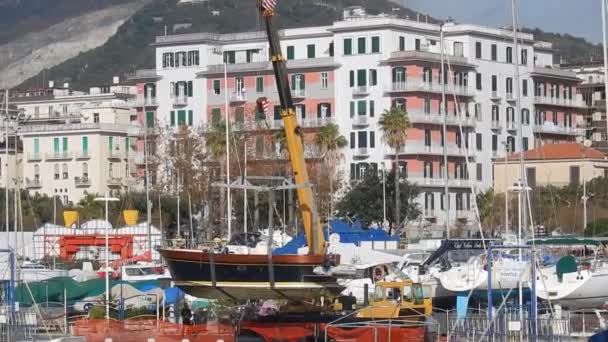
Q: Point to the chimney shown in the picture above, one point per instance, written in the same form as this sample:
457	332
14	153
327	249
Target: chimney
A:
51	84
115	80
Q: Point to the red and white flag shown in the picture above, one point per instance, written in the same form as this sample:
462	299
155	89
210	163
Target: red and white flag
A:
263	105
268	4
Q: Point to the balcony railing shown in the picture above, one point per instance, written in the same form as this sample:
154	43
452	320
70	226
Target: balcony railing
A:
141	101
421	148
437	181
114	181
361	152
360	91
360	120
82	181
496	124
431	118
33	183
412	84
463	214
510	97
511	126
429	213
311	121
83	155
114	154
550	128
34	157
298	93
238	96
180	101
495	96
547	100
59	156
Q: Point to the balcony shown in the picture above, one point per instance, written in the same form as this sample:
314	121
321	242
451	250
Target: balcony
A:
82	182
114	181
463	214
34	157
550	128
310	121
554	101
298	93
59	156
361	152
438	119
510	97
33	183
141	101
419	85
495	96
427	56
180	101
496	125
429	214
360	91
238	97
117	154
438	181
83	155
139	158
361	120
420	148
511	126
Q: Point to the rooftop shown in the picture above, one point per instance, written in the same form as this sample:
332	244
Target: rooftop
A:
560	151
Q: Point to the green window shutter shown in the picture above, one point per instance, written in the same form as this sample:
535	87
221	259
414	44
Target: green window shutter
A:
361	107
361	45
85	145
310	48
36	146
352	78
177	89
56	145
373	77
331	49
401	43
290	52
348	46
259	84
302	82
371	108
65	144
190	89
352	109
190	118
216	115
149	119
110	143
181	117
127	145
361	77
172	118
375	44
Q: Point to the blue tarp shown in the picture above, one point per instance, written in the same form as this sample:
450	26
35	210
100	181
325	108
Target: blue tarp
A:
173	295
348	234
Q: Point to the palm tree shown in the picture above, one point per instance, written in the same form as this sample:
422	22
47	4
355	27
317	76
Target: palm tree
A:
329	141
216	147
394	124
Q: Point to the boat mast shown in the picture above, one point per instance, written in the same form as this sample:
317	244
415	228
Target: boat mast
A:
445	136
293	135
605	48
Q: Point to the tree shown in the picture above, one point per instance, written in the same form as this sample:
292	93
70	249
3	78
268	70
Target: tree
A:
394	124
330	142
215	142
491	209
364	201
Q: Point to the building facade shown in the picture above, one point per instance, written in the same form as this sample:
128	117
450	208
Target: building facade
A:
349	72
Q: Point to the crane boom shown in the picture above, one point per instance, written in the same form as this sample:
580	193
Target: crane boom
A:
293	135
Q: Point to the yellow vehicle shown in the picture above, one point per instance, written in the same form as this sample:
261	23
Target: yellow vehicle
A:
398	299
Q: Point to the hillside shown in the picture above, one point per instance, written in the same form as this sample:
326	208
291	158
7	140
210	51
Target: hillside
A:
129	48
569	49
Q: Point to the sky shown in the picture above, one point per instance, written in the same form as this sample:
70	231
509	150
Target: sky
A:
581	18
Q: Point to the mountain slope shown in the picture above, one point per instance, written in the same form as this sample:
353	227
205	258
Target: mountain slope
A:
129	48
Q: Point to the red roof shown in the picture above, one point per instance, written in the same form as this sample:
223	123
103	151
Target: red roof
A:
560	151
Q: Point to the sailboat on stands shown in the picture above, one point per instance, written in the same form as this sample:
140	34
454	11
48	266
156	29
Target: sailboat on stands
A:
206	273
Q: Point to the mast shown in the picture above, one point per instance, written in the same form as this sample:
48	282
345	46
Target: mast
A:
293	135
605	49
6	184
445	137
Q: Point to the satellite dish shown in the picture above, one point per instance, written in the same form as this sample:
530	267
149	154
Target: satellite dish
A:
587	143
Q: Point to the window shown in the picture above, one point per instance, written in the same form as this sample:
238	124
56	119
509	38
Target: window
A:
478	141
509	81
229	57
429	201
478	81
524	87
216	87
495	113
372	139
172	117
399	75
525	116
478	111
168	60
249	55
427	104
96	117
361	48
36	171
298	83
427	137
181	117
361	139
428	169
371	108
458	49
494	83
574	175
331	49
478	172
375	44
494	143
524	57
324	80
478	50
56	169
150	119
361	107
417	44
259	84
190	118
509	54
85	146
352	140
290	52
510	144
193	58
531	176
525	143
65	170
323	110
427	75
373	77
361	77
348	46
401	43
510	114
398	103
494	53
310	50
